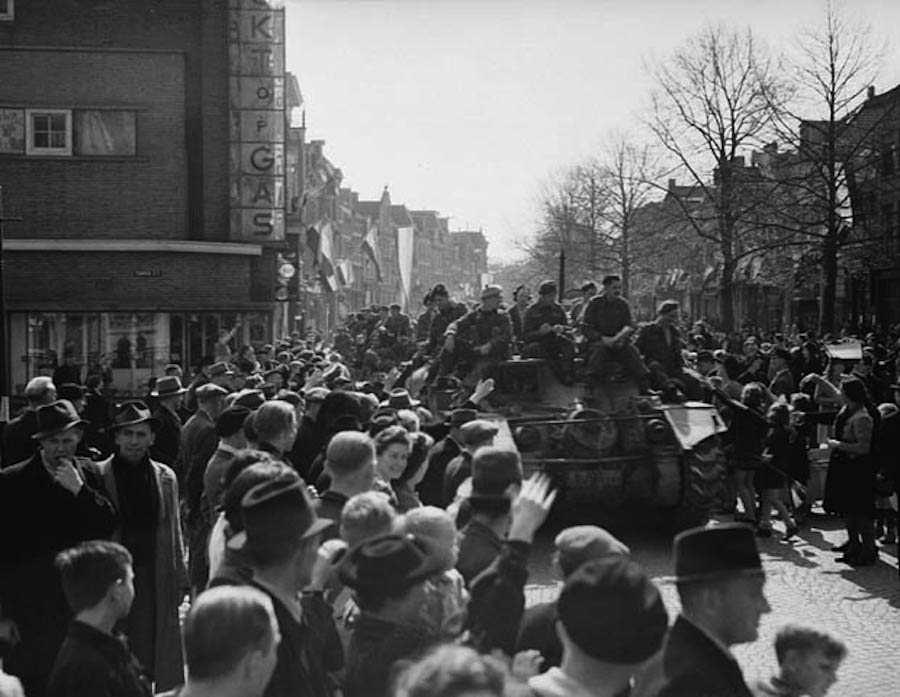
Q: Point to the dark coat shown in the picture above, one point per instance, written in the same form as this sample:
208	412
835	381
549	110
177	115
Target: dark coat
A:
376	646
538	631
537	315
93	663
18	445
197	445
693	666
169	574
168	438
38	519
308	652
307	446
458	470
652	344
329	505
479	546
431	489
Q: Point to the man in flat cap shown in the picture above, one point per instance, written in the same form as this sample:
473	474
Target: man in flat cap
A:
720	582
145	493
611	620
606	324
478	341
542	333
48	503
575	546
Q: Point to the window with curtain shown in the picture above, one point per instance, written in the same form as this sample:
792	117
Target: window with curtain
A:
105	133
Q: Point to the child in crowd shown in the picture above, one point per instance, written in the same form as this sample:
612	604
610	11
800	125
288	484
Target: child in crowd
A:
771	477
808	661
885	515
366	516
445	609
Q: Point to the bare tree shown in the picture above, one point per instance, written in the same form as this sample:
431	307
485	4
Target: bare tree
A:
829	144
711	101
629	172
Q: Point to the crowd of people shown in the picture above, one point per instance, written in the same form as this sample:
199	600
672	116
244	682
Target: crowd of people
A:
295	521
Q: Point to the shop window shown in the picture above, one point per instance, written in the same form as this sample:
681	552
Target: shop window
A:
12	131
48	131
105	133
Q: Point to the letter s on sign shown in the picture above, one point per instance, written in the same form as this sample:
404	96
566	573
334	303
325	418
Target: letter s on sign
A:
262	224
262	159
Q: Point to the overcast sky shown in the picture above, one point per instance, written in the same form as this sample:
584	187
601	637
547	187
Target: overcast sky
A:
466	106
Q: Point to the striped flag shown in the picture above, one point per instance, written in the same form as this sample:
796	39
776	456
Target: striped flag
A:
370	246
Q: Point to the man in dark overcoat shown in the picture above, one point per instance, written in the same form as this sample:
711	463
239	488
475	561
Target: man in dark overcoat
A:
720	582
48	503
169	395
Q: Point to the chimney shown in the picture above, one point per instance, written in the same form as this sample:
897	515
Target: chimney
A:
870	92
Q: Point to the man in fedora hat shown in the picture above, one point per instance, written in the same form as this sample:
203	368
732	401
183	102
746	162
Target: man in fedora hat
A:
18	444
169	394
388	575
441	454
48	503
281	538
720	582
145	493
399	398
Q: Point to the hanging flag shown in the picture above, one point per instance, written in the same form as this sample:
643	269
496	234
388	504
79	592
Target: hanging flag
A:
405	243
326	256
371	248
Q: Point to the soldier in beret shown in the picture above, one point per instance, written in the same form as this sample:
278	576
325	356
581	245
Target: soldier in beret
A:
542	333
479	340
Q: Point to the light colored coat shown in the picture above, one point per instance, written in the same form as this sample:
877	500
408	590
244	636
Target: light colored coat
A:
171	580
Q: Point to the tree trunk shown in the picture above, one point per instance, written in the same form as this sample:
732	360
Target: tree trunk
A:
828	302
726	296
626	260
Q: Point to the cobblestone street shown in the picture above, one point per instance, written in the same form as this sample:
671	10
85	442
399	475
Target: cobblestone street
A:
806	585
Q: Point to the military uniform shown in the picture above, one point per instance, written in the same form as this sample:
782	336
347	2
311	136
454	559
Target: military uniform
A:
474	329
557	349
440	321
604	317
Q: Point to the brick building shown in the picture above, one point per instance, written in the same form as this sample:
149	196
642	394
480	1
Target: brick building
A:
143	146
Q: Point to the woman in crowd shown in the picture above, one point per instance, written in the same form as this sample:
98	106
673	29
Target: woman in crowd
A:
850	485
392	446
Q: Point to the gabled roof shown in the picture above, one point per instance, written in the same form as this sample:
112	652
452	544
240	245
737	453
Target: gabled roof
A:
400	216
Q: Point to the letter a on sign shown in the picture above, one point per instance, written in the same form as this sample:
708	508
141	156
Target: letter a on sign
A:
263	193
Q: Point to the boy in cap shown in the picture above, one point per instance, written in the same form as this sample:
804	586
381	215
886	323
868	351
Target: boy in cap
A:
441	454
230	431
473	436
611	620
720	581
574	546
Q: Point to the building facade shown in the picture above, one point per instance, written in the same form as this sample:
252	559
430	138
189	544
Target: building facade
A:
143	147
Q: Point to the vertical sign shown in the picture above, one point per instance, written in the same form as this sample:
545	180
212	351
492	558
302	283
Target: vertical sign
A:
257	131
